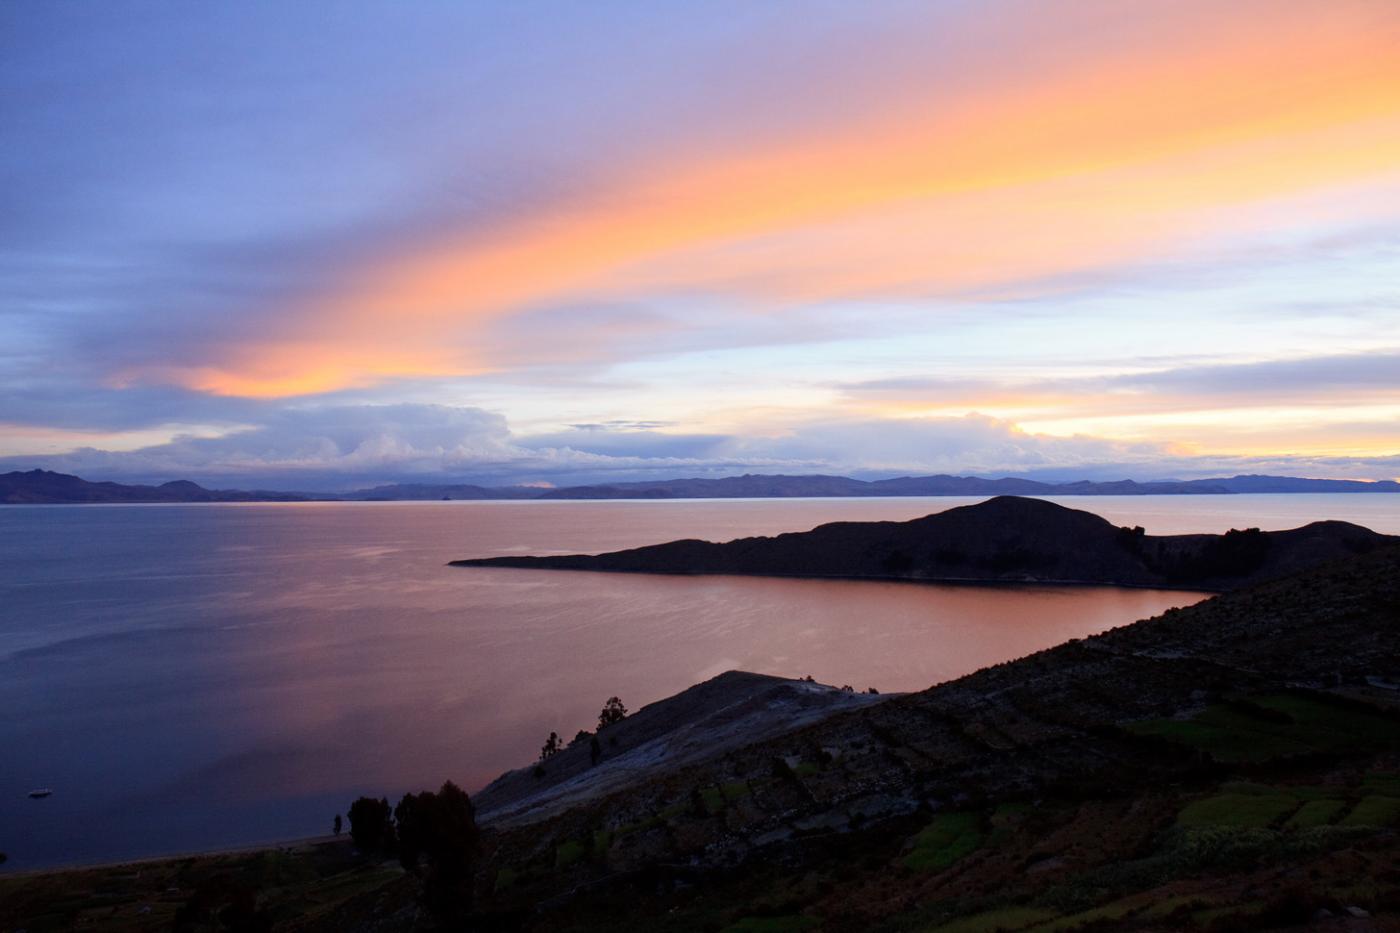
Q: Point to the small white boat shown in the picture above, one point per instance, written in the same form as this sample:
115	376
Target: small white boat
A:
40	793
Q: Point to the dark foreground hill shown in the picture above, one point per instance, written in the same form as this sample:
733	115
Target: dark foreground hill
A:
1006	539
1230	766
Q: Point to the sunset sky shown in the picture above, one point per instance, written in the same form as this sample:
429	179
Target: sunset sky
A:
318	245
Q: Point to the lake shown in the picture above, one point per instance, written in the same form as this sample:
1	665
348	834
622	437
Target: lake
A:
189	677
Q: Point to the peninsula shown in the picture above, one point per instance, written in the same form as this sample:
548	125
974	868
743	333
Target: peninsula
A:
1003	540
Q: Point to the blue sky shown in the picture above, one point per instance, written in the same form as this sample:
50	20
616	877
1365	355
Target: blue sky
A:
327	244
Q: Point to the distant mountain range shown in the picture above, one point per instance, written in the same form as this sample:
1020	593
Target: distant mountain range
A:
764	486
45	486
413	492
1007	539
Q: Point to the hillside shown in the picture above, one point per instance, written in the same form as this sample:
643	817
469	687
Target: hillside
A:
729	711
1231	760
1006	539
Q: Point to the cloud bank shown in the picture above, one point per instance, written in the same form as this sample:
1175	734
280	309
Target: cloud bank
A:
346	447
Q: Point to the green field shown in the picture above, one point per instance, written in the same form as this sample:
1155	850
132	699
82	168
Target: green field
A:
1374	811
996	921
948	838
1316	813
1268	727
1240	811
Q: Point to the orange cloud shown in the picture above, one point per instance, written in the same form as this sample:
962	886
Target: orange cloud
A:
309	366
1190	113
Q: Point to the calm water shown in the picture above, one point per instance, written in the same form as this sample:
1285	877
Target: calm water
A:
195	676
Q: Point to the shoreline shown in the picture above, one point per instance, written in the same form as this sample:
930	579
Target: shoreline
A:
476	563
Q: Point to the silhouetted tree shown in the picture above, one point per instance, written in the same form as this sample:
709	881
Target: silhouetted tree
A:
371	824
438	841
871	690
595	751
551	746
1132	539
408	818
336	824
582	736
1236	553
613	711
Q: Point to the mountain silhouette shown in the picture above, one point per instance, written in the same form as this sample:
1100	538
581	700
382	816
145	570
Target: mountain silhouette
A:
1005	539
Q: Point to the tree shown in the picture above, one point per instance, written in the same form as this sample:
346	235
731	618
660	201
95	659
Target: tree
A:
438	840
551	747
583	735
595	751
408	817
336	824
371	824
613	711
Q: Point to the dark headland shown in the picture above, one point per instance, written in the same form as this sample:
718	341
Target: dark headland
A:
1003	540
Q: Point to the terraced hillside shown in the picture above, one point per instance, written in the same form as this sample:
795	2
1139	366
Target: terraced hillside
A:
1200	759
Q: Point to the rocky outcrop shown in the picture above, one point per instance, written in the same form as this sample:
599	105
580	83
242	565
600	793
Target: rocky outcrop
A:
723	713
